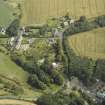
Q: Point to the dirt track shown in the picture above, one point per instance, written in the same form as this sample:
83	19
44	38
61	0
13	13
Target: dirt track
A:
14	102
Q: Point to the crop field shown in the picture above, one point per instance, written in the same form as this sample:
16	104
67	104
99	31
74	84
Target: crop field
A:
37	11
90	44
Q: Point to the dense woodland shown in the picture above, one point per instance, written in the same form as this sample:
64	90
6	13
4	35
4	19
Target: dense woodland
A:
60	98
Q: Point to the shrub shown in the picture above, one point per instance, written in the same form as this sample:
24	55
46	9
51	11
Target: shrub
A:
35	82
12	30
100	21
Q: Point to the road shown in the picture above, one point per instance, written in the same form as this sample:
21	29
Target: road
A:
14	102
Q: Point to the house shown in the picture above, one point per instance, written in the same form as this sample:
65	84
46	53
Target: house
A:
31	40
72	21
2	31
55	65
24	47
15	42
55	33
18	42
101	95
51	41
66	23
11	42
22	31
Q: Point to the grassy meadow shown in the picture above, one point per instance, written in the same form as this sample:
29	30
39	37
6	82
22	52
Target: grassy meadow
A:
6	14
37	11
11	70
90	44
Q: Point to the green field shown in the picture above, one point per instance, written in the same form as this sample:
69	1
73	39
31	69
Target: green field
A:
37	11
90	44
11	70
6	13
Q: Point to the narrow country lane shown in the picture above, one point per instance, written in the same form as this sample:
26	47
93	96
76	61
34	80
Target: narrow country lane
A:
14	102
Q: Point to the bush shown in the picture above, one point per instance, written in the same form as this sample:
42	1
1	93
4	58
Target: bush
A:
60	99
59	80
13	28
44	77
35	82
100	21
100	69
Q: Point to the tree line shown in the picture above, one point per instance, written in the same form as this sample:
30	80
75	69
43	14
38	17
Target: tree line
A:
83	25
87	70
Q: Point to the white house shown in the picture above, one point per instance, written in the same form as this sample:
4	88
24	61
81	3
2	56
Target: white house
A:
24	47
18	42
66	23
31	40
56	32
11	42
101	95
3	31
72	21
55	65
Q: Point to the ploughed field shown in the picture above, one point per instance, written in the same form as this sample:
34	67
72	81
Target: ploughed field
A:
37	11
90	44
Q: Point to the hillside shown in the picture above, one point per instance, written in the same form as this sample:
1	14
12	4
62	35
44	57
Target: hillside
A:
11	73
90	44
37	11
11	70
6	12
9	10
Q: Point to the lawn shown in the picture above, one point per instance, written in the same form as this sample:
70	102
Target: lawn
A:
6	14
42	48
90	44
